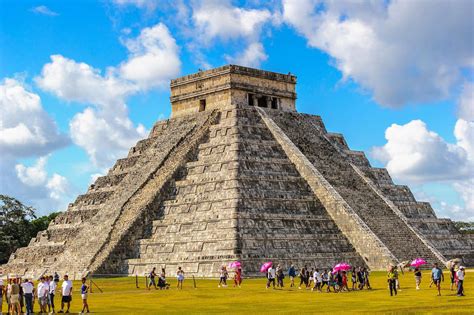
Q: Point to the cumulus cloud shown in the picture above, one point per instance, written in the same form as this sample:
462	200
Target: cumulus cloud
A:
25	128
154	58
79	82
44	10
401	51
104	136
252	56
219	19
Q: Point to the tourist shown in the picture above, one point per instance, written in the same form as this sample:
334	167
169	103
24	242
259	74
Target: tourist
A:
303	277
460	276
162	280
84	291
152	279
14	297
52	292
22	300
437	276
271	274
361	278
317	278
344	286
56	277
180	276
453	276
395	273
280	276
292	275
366	278
42	294
354	278
223	277
391	278
418	276
325	279
238	277
66	291
28	289
310	278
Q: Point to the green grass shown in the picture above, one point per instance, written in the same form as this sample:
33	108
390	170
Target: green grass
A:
121	297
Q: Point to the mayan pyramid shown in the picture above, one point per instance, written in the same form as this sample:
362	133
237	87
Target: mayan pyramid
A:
238	174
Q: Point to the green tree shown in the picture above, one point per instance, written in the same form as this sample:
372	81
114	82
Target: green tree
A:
18	224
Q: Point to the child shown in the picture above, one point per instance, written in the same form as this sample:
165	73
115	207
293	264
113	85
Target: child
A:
180	276
84	290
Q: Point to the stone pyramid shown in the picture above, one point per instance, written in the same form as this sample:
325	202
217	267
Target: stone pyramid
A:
238	174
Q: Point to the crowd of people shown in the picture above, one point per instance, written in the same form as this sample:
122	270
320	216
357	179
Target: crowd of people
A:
315	279
21	294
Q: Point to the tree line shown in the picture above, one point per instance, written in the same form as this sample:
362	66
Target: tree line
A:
18	224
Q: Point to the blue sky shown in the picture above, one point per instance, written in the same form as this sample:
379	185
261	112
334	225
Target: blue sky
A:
395	77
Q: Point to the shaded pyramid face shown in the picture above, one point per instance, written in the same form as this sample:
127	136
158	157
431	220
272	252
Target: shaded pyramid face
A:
240	182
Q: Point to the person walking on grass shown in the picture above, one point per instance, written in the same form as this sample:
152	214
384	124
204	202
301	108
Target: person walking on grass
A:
280	276
271	274
360	278
354	278
453	275
302	277
460	275
318	279
42	294
84	291
366	278
52	291
66	291
15	298
325	279
152	279
180	276
292	275
223	277
162	280
418	276
437	276
391	279
238	277
28	289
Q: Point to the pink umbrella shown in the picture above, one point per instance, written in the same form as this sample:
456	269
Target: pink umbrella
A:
265	266
341	267
418	262
235	264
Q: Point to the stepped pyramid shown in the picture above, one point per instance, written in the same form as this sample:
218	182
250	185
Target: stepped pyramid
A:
238	174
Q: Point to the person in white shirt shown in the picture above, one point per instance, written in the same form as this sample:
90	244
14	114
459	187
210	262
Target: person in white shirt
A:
271	274
460	274
318	279
67	294
42	293
52	292
28	289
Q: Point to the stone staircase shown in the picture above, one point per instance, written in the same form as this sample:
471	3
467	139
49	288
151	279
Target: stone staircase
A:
307	134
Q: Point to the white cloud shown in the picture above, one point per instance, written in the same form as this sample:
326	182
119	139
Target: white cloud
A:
79	82
34	175
58	186
106	136
402	51
414	153
42	9
466	102
154	58
252	56
219	19
25	128
149	5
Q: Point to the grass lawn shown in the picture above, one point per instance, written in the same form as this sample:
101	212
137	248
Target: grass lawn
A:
121	297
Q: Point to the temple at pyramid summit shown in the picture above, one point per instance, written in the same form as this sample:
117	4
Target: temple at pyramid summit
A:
237	173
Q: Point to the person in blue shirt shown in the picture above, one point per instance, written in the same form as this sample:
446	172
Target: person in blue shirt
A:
437	276
292	275
84	291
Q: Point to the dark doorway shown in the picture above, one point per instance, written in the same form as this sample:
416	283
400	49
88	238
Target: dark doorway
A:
274	103
250	99
262	101
202	105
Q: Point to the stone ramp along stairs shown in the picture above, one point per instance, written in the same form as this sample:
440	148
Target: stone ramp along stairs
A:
238	174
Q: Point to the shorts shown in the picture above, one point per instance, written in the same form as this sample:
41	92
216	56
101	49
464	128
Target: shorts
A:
14	299
43	300
84	296
66	299
437	281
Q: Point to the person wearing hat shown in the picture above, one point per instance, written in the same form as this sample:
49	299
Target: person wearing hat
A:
460	274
